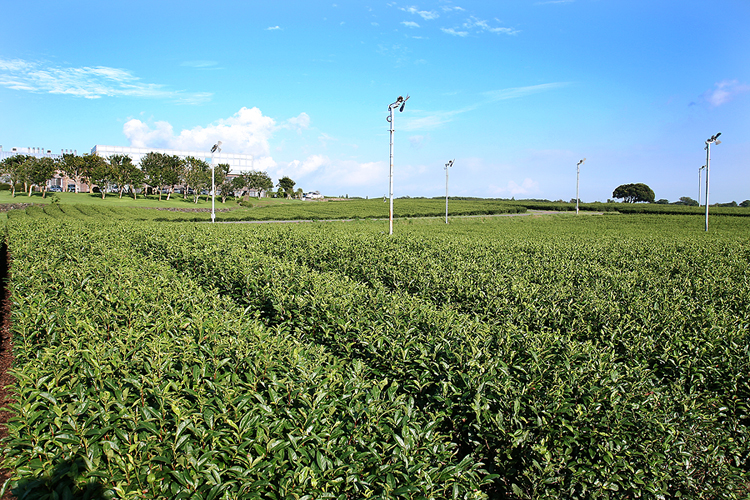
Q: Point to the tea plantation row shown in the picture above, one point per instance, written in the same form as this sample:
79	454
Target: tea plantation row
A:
597	357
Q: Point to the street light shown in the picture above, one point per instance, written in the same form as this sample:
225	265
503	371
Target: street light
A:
712	140
699	183
447	166
578	174
215	149
400	103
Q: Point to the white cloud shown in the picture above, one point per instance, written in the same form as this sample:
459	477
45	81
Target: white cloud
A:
424	14
199	64
724	92
410	24
449	8
246	132
272	28
299	123
453	32
516	92
435	119
87	82
480	25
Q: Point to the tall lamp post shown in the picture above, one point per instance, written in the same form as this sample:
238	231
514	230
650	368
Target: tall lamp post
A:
711	140
578	175
447	166
699	183
400	103
215	149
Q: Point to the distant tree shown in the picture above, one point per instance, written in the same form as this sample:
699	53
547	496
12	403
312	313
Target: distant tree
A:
152	165
197	175
730	204
258	180
121	166
280	193
221	172
172	172
298	193
662	201
73	166
745	203
287	185
101	173
686	200
15	168
39	171
632	193
94	166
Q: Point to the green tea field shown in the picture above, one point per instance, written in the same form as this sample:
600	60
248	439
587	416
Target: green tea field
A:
555	356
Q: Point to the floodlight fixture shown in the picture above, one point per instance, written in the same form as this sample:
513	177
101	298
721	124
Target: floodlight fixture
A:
712	140
216	148
447	166
400	103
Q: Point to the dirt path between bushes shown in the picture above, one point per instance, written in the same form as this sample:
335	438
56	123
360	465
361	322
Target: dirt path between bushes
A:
6	356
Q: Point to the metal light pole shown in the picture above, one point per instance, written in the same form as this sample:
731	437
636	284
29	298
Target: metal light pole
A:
699	184
447	166
391	107
712	140
215	149
578	175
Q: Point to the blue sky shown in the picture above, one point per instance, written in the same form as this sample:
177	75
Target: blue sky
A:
517	92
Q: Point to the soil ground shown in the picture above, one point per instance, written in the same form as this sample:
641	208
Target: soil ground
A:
6	356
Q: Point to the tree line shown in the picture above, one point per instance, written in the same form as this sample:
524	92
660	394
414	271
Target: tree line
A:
159	173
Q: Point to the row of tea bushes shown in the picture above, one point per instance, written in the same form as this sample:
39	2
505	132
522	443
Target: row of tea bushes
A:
134	381
648	395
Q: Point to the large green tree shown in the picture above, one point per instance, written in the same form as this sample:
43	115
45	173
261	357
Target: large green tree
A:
152	165
15	168
39	171
632	193
100	172
73	166
172	172
122	171
197	176
287	185
258	180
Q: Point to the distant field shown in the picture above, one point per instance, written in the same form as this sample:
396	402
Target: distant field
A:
504	357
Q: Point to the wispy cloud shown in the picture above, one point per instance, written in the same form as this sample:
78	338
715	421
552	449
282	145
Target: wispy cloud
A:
528	186
410	24
724	91
516	92
432	120
454	32
90	82
273	28
449	8
200	64
482	26
424	14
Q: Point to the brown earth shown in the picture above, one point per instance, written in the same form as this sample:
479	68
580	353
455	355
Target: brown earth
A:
6	357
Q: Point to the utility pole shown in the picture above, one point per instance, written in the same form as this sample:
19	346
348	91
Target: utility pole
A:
215	149
712	140
400	103
447	166
578	175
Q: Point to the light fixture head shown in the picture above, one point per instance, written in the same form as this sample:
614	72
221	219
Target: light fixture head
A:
216	147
